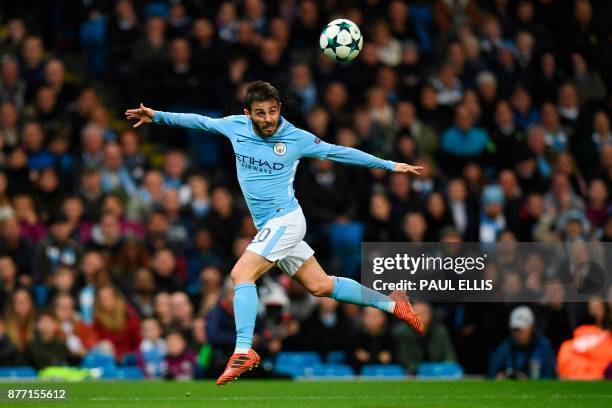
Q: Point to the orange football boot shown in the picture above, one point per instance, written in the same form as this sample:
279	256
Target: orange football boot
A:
403	310
238	364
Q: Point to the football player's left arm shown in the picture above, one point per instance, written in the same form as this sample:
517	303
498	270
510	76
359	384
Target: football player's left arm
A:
349	155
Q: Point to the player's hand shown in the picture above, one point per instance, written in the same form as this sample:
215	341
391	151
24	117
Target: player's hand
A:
142	114
406	168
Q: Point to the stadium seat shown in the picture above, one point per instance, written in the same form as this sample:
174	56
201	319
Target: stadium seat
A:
17	372
333	370
128	373
439	370
105	372
98	360
383	370
336	357
129	360
294	371
298	358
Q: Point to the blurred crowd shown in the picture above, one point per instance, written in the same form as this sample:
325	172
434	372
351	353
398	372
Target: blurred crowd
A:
120	241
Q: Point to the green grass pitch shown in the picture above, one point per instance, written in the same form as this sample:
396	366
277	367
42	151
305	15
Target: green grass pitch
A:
337	394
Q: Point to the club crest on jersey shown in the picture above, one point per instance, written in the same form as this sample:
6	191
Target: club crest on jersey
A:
280	148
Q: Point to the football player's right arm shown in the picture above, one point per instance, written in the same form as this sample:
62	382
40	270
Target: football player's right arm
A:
185	120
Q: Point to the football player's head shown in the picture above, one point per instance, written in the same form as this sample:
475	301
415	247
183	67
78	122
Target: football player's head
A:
262	105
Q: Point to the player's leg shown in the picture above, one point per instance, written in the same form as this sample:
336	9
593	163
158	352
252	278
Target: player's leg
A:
312	276
248	269
271	243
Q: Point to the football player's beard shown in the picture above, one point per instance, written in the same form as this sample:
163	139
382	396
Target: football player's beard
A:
263	130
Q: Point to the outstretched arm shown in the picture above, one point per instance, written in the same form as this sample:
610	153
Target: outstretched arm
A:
312	146
349	155
185	120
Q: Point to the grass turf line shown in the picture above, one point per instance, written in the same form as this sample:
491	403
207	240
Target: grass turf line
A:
251	393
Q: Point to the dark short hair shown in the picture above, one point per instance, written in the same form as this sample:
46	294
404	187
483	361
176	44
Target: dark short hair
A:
260	91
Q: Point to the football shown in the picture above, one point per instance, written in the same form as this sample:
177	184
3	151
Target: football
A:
341	40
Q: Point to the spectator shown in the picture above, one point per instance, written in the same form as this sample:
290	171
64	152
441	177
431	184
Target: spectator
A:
58	248
12	87
116	322
463	210
152	349
32	228
586	355
372	343
9	355
19	249
20	318
8	277
332	325
32	64
425	137
134	159
182	316
9	128
198	204
115	176
143	287
163	310
506	139
106	235
435	346
492	219
437	216
464	140
210	281
78	336
47	347
179	362
164	267
526	354
91	193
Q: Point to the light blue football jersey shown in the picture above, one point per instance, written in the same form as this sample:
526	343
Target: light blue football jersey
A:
266	166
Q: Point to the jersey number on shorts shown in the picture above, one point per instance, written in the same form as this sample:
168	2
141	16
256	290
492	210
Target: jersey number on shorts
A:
262	235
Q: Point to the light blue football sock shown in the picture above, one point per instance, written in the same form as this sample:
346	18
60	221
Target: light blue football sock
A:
349	291
246	304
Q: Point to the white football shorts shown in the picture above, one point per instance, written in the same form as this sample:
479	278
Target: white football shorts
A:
281	240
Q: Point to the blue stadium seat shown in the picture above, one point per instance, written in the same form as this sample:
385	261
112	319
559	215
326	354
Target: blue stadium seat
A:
129	360
129	373
333	370
298	358
295	370
439	370
336	357
93	360
383	370
105	372
17	372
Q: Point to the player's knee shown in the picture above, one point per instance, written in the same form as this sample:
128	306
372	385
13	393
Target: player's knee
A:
322	288
240	275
